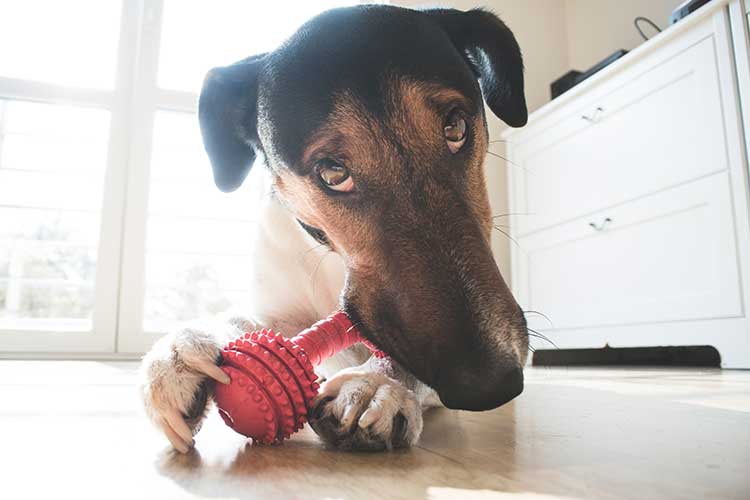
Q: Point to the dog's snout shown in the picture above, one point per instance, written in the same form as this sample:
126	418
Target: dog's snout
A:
481	392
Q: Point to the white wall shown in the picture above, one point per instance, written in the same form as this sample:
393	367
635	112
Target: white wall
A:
596	28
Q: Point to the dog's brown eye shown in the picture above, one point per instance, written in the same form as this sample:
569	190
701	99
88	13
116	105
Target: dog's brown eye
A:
455	130
335	176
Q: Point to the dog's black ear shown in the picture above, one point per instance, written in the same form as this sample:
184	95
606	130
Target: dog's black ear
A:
227	111
491	50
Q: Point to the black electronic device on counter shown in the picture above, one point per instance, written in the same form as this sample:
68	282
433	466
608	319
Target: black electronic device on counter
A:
573	77
686	8
564	83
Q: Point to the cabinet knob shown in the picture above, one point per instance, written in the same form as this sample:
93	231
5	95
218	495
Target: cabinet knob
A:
595	116
602	225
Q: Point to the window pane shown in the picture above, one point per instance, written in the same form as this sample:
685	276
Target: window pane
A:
44	300
200	34
198	239
190	270
176	234
65	42
49	225
166	307
45	190
52	161
50	261
52	154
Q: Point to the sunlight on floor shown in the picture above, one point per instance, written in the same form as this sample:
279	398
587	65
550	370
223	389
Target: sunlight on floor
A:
435	493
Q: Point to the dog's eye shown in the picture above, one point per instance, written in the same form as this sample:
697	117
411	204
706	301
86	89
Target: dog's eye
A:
335	176
455	130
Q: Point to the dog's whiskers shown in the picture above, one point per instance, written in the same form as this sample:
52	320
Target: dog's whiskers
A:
315	271
497	228
354	326
542	315
502	158
533	333
507	160
509	215
309	250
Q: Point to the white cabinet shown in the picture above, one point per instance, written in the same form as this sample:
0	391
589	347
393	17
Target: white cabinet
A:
634	193
739	14
616	143
636	262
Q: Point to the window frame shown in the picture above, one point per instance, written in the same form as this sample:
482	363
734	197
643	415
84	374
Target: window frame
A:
149	99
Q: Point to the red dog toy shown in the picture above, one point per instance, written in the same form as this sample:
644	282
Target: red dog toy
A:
273	381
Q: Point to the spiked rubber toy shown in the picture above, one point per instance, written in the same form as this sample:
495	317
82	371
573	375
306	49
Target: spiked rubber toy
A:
273	381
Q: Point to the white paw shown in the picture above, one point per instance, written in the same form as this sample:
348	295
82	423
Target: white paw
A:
358	410
176	383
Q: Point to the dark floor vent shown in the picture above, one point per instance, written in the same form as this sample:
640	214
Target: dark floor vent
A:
695	356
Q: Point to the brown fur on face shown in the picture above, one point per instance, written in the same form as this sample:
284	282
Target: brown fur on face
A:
356	139
414	233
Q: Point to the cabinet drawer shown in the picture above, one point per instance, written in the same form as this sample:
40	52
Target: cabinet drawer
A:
660	128
666	257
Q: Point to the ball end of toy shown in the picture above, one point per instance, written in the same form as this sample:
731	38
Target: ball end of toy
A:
270	388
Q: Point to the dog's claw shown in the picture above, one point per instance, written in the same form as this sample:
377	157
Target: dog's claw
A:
369	416
214	372
350	415
177	424
174	439
387	414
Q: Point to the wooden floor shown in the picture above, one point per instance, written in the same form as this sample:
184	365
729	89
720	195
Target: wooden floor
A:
75	430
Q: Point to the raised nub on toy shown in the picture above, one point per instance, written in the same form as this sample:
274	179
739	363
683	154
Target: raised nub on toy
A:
273	381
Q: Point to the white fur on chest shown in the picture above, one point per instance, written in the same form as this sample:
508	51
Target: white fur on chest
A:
294	280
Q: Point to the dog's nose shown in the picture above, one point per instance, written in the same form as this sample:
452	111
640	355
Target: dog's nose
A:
479	393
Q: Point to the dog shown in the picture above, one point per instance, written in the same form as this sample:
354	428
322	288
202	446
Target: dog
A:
370	125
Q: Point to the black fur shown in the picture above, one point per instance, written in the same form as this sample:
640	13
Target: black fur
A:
227	111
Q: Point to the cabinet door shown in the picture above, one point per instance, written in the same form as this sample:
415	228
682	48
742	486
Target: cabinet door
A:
666	257
662	127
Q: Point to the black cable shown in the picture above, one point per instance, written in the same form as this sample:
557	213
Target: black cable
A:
647	21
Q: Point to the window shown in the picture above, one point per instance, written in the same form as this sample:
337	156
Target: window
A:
111	231
197	238
56	47
51	178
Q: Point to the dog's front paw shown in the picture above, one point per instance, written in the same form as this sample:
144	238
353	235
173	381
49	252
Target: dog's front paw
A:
366	411
176	383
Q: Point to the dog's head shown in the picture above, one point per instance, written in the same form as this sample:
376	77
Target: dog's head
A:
372	121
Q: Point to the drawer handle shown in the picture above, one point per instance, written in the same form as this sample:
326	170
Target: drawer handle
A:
595	116
602	226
